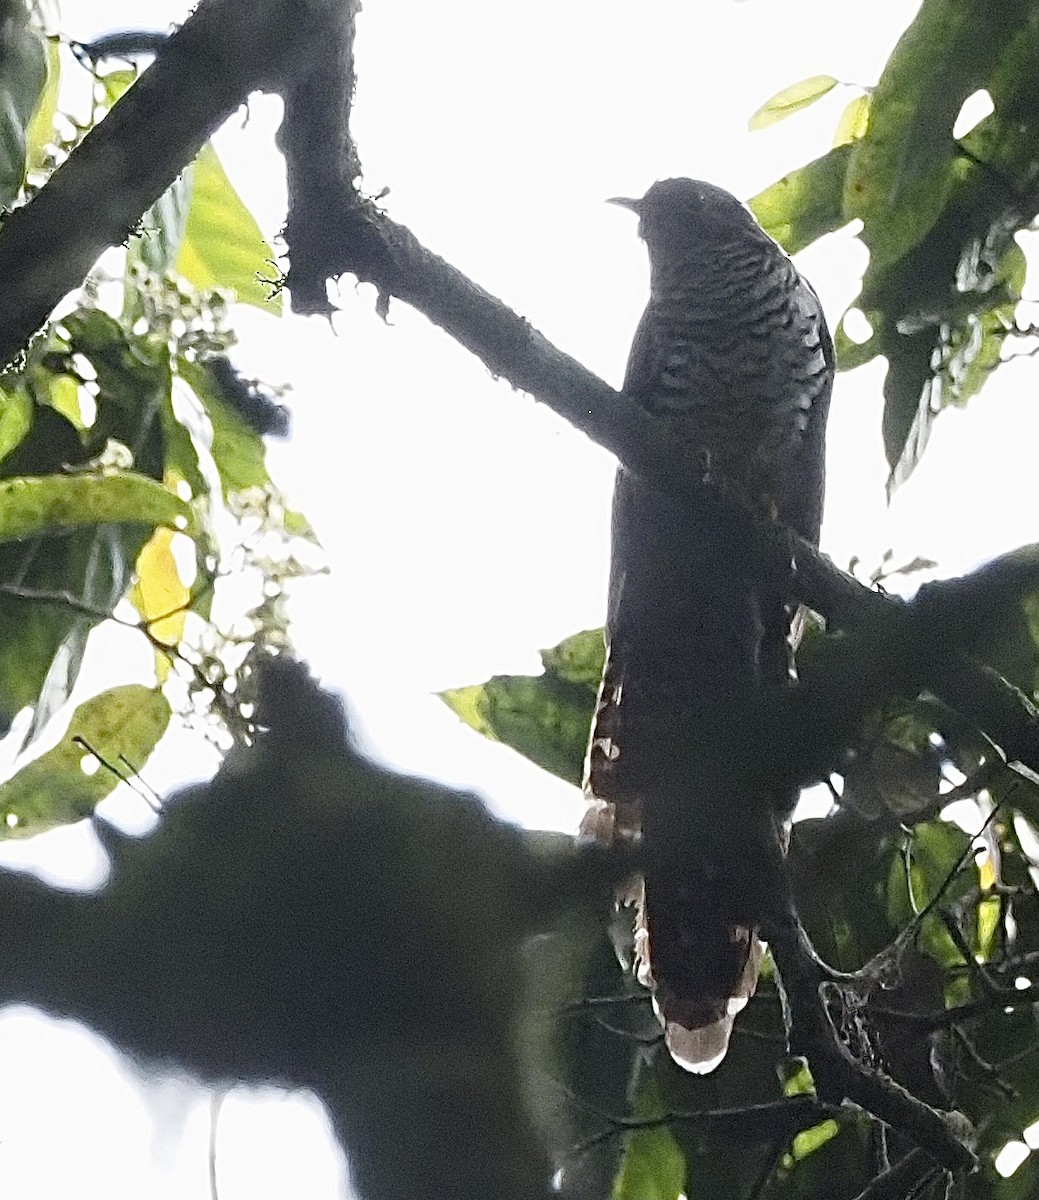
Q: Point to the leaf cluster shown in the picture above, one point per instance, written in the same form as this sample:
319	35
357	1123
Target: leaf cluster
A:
940	213
132	463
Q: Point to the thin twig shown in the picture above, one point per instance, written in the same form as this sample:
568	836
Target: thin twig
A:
902	1179
786	1117
991	1079
838	1075
590	1002
153	801
215	1105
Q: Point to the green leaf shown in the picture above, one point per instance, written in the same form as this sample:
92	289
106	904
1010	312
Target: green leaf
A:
114	84
465	703
181	457
942	355
653	1165
15	420
941	313
575	1053
53	789
134	386
836	885
40	130
49	504
935	851
577	659
851	353
23	72
854	121
540	717
223	246
43	643
544	717
237	449
810	1140
1006	638
902	171
843	1162
102	577
791	99
974	347
885	778
135	396
805	204
297	525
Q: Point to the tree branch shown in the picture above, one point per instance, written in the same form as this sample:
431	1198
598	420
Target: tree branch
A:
778	1120
837	1074
321	160
900	1180
339	954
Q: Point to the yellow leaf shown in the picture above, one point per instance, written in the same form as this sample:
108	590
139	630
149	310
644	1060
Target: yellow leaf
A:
791	99
64	398
853	122
986	874
159	594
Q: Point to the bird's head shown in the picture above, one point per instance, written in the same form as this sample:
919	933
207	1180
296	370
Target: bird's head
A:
679	217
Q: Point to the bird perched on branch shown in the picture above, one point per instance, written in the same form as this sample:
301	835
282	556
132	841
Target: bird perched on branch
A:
734	354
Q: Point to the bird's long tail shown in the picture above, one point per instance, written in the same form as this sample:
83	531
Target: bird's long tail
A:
693	947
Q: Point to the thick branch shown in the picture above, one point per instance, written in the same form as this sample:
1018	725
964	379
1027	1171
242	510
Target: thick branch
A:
894	646
338	954
838	1075
321	160
901	1179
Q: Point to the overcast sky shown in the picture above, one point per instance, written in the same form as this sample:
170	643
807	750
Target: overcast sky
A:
466	526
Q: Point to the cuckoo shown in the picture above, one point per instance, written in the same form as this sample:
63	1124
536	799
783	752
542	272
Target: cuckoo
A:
733	354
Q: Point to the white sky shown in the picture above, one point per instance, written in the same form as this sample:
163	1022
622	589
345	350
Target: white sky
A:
466	526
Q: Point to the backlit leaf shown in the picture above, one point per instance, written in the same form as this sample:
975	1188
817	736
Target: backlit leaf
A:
902	171
40	130
934	852
791	99
49	504
237	449
23	72
805	204
15	419
853	122
124	723
653	1166
544	717
159	593
222	245
113	84
164	225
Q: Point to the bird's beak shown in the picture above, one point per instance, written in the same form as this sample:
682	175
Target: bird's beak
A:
626	202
